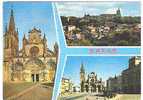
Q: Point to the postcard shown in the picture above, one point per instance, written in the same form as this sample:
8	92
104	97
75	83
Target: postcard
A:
71	50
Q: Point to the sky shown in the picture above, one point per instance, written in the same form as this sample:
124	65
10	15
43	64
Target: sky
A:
103	66
96	8
29	15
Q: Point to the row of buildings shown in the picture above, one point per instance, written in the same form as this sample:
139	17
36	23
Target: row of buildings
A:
66	86
130	79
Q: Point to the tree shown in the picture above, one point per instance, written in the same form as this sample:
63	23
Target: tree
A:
64	20
122	43
117	19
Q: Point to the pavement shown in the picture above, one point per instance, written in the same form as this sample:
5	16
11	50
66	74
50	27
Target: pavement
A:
127	97
83	96
40	92
88	97
13	89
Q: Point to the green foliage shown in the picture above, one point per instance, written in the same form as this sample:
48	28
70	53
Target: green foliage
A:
64	20
79	43
130	20
122	43
127	36
117	19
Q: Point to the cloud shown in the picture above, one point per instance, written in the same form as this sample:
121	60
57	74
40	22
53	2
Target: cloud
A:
111	11
80	8
96	8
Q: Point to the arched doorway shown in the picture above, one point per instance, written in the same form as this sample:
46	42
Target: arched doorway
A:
34	70
35	77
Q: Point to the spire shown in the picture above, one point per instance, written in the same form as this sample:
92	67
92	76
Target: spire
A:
11	22
44	38
82	69
11	12
45	45
5	28
17	30
24	38
115	76
118	13
56	46
24	41
56	51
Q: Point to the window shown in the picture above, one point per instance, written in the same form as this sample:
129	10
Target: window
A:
34	51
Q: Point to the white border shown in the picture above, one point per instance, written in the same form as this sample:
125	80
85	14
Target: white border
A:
1	43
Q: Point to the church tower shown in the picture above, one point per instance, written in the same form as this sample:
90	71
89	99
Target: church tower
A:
44	45
11	39
82	77
56	51
10	47
24	43
118	13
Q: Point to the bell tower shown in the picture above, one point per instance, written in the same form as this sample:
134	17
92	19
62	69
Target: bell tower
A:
11	39
82	77
10	46
118	13
82	73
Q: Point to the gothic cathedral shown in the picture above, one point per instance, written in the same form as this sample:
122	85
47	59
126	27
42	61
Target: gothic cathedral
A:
34	62
90	83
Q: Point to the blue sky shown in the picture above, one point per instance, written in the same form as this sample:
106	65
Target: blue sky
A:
97	8
103	66
32	14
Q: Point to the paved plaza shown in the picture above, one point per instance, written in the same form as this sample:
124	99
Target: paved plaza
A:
38	93
34	92
82	96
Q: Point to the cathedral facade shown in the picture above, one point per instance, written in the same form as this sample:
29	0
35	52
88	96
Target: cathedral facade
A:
90	84
34	62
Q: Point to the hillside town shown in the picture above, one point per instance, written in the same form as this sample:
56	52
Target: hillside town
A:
102	30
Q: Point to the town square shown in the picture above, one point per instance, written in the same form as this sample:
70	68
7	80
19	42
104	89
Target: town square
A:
101	78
